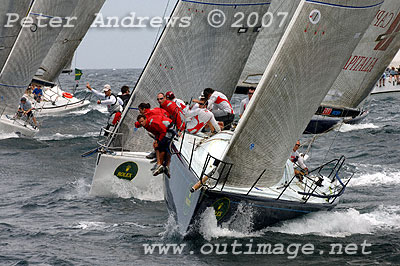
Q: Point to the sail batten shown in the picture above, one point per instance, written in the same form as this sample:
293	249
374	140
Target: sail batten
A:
307	61
369	60
188	59
31	46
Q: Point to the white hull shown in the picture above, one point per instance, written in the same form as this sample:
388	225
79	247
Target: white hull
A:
55	101
143	186
18	127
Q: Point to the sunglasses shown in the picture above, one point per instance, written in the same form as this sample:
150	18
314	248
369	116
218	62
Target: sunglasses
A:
159	99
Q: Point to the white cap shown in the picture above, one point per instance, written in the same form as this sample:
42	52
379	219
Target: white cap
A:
107	87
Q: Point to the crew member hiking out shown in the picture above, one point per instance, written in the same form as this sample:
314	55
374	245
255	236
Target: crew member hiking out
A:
144	109
160	127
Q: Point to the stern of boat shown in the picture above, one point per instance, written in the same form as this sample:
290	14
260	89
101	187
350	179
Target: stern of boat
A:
126	175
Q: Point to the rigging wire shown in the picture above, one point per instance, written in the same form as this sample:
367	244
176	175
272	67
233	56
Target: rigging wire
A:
159	28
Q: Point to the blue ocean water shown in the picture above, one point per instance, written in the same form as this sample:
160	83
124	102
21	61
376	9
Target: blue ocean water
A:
48	218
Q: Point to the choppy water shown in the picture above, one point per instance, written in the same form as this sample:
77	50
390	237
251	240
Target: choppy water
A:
48	218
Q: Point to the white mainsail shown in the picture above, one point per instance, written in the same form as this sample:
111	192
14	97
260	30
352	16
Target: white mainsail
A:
369	60
31	46
275	23
190	57
62	51
9	9
316	45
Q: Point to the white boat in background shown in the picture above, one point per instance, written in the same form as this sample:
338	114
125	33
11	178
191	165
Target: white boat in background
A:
388	88
55	100
9	124
26	48
59	57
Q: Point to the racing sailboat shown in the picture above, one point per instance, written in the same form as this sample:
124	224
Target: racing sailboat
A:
30	44
60	55
361	72
249	169
185	60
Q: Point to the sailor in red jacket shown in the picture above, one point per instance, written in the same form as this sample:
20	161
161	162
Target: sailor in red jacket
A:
144	109
159	126
175	113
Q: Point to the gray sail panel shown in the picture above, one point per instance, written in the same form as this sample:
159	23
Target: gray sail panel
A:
275	24
308	59
369	60
8	35
32	45
62	51
189	59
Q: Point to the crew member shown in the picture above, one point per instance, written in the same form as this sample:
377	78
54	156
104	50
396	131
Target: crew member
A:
298	160
124	95
159	126
219	104
175	113
171	96
37	94
113	103
245	102
25	108
199	117
144	109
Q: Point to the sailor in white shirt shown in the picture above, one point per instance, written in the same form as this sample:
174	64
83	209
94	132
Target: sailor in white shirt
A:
114	104
198	117
245	102
298	161
219	105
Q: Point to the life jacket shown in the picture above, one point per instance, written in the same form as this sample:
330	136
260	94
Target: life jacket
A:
158	125
125	98
156	111
115	107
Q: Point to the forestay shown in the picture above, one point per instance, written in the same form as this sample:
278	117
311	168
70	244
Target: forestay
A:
317	43
274	25
31	46
8	35
62	51
192	55
369	60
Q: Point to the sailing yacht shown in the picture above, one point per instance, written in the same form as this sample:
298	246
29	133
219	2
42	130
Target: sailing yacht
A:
27	46
56	100
361	72
185	60
249	168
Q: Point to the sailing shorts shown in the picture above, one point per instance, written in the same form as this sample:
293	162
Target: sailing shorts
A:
163	145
